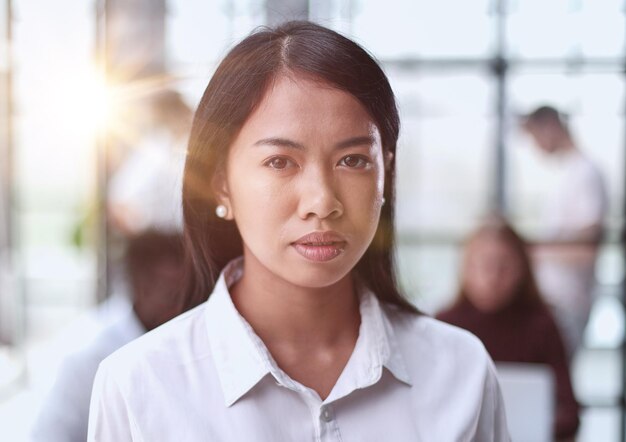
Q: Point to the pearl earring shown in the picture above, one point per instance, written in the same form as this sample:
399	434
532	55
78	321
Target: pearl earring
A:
221	211
383	201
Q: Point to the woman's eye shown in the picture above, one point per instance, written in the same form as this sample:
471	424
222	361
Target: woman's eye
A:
278	163
354	161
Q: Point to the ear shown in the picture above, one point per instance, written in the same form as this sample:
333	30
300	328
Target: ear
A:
219	186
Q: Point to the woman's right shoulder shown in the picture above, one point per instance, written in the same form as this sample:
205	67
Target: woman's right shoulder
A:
163	364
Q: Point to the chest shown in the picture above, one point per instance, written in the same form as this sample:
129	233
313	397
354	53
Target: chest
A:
516	339
388	410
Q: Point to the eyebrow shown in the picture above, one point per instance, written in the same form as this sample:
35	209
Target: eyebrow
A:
366	140
279	142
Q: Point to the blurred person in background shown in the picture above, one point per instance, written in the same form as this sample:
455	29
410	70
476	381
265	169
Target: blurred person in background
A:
571	228
300	331
499	302
154	265
145	189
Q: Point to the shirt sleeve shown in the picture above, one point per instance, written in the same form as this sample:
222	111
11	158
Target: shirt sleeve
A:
110	419
586	205
492	424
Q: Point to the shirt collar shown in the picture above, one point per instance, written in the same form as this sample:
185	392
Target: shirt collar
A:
239	363
242	360
376	348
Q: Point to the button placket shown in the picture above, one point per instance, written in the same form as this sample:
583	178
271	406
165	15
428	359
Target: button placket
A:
326	415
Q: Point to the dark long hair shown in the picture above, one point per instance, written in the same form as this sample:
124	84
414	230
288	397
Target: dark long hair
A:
497	227
236	88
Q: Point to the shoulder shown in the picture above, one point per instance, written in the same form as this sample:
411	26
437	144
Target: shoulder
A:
543	329
451	366
586	169
426	336
135	386
540	319
425	329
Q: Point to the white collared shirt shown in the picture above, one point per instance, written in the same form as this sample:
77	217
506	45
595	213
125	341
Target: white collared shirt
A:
206	376
577	200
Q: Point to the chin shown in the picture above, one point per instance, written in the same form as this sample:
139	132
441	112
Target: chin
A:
316	277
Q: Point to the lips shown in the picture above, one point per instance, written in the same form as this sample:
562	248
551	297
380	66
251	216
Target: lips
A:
320	246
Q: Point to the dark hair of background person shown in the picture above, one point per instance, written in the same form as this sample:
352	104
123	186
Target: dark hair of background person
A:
236	88
498	227
547	115
155	267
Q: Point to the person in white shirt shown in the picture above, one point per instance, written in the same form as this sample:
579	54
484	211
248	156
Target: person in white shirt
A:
154	263
145	189
572	225
288	202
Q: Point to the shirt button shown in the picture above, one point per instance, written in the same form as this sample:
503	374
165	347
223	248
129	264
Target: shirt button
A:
327	416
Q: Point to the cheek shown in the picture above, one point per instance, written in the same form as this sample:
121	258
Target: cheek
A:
362	201
512	281
258	201
479	281
476	283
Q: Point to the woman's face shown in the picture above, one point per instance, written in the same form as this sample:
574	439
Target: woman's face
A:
304	183
493	272
546	136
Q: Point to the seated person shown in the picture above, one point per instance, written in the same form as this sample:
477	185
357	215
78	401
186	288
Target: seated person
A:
499	302
154	263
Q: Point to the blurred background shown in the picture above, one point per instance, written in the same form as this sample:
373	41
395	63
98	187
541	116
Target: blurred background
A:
82	82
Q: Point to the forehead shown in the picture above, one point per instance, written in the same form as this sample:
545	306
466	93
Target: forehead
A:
295	105
489	243
541	126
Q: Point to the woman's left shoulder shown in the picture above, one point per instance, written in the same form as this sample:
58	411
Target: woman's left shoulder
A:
443	360
423	333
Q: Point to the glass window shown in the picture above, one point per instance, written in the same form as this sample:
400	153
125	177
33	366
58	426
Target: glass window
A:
58	105
198	33
430	153
445	28
428	272
564	28
192	40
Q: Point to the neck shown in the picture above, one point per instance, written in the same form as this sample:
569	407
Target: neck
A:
566	145
287	314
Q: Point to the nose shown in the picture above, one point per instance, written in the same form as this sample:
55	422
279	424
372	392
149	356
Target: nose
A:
318	196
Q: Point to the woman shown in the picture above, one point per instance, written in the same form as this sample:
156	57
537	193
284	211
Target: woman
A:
499	302
306	337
